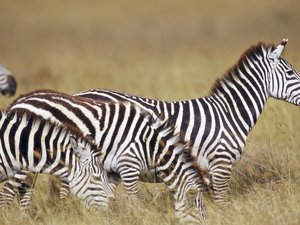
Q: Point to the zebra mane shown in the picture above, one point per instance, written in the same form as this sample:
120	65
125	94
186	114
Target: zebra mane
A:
260	49
29	94
41	92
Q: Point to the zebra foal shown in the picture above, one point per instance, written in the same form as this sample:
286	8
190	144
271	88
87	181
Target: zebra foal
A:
31	144
131	143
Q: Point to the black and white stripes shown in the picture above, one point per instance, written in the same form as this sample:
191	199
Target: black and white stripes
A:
131	142
137	134
218	125
31	144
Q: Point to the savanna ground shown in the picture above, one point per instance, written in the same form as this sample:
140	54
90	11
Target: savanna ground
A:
163	49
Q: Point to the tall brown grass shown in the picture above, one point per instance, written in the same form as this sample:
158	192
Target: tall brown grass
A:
167	50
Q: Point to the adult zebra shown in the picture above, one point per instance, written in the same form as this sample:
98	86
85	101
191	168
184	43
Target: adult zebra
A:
8	84
131	143
31	144
217	125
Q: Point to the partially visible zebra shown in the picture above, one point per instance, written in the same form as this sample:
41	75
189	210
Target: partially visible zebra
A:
8	84
131	143
218	125
31	144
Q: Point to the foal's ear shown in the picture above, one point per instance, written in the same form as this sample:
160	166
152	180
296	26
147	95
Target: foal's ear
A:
73	143
75	146
277	52
90	138
79	149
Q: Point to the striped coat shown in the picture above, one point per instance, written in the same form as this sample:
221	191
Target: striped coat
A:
31	144
131	142
218	125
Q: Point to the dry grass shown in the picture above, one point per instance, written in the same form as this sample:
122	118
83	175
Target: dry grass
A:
162	49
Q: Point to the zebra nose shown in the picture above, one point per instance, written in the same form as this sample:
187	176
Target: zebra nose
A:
110	195
111	191
207	179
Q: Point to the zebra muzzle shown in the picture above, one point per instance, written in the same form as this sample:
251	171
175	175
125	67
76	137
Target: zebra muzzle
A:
207	179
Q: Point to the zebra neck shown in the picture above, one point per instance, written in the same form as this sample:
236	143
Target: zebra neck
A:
242	96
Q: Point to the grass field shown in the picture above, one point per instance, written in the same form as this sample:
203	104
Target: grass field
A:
168	50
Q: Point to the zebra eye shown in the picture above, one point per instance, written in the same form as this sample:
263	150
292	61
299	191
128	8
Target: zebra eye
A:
272	59
290	72
97	178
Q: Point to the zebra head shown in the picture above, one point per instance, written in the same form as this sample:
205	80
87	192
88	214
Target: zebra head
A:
284	80
90	181
8	84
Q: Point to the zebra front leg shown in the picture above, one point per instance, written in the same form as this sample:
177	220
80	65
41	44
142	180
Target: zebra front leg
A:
130	179
220	180
129	167
25	191
7	194
17	183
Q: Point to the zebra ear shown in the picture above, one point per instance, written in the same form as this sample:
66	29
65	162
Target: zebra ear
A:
90	138
277	52
75	146
3	70
79	149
